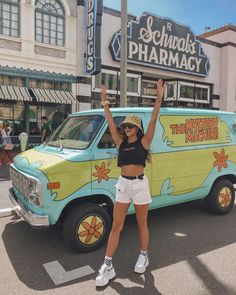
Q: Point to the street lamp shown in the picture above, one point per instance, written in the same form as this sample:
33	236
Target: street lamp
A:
123	55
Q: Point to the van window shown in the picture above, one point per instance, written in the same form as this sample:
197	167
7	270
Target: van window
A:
106	140
76	132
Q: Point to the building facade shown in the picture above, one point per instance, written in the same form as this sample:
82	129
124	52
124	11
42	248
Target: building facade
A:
225	37
44	53
200	75
37	64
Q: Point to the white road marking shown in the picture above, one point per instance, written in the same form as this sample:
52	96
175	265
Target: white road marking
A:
60	276
180	235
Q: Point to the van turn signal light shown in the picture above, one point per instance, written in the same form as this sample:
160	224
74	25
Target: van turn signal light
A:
53	185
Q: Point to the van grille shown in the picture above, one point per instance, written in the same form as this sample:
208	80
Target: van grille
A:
21	182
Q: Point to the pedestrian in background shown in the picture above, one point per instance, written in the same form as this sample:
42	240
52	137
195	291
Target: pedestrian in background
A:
46	129
132	185
7	146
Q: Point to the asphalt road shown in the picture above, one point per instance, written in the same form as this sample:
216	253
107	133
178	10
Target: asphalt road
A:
191	252
4	199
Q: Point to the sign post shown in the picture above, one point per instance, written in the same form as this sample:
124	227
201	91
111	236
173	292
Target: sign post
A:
123	59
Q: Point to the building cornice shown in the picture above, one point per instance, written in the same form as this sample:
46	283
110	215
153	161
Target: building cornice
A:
117	13
229	27
228	44
213	43
28	73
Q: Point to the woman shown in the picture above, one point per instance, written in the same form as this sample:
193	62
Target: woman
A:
132	185
6	142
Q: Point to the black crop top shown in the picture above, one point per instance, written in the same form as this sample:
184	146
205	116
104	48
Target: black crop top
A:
132	153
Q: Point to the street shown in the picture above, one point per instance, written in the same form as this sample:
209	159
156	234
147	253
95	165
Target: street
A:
117	100
191	252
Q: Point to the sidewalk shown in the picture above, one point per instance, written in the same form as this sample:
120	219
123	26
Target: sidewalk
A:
5	184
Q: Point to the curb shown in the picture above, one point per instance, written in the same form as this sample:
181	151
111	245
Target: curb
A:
5	212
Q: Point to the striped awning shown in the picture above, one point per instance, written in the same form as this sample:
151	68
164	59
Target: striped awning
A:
14	93
53	96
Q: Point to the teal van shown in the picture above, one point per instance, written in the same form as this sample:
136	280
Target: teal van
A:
70	180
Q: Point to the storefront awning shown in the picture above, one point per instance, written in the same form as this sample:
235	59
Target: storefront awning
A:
14	93
53	96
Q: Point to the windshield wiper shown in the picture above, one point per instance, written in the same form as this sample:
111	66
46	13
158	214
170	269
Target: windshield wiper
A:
60	139
46	141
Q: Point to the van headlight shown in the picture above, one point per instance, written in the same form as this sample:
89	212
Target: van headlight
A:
233	127
34	188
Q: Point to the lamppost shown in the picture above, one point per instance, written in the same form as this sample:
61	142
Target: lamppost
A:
123	55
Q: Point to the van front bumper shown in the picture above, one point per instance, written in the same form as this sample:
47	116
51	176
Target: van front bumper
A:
33	219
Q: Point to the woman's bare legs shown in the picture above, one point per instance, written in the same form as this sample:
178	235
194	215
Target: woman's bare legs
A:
141	217
6	159
119	214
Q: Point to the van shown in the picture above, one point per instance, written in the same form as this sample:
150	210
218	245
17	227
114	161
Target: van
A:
70	179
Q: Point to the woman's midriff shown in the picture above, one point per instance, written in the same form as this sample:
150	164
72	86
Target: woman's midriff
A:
132	170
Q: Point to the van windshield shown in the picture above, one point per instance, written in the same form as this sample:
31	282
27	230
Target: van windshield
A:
76	132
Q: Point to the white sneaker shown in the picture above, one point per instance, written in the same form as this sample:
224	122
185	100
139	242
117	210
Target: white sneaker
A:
141	264
106	274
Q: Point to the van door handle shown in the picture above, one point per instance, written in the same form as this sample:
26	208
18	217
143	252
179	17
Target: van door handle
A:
112	156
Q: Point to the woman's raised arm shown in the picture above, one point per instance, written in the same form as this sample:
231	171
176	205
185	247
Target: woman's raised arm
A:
147	138
112	126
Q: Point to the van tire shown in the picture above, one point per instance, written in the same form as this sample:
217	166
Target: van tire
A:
97	224
214	202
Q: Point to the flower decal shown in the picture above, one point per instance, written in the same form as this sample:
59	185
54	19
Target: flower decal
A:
220	160
101	172
90	230
225	198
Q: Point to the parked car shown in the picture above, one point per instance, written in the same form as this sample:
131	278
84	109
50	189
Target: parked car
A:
71	179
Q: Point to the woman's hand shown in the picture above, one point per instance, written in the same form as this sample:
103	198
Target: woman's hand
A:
160	90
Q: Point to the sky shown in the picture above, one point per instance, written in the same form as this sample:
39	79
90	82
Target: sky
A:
196	14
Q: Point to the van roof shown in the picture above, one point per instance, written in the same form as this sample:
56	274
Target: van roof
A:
149	110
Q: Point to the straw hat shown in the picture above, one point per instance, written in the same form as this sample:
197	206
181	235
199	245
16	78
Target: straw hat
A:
132	119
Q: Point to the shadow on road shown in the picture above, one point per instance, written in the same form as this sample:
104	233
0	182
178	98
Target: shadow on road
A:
177	233
146	286
4	173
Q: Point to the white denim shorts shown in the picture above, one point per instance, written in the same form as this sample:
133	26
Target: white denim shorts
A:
135	190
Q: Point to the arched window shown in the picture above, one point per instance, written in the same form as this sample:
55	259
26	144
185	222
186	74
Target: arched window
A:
9	17
50	22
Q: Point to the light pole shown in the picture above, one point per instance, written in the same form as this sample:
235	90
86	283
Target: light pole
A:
123	55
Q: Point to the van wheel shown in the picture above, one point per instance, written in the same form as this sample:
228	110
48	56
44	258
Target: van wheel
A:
86	227
221	197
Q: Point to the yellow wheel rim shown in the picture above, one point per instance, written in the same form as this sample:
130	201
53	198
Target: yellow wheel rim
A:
90	230
225	197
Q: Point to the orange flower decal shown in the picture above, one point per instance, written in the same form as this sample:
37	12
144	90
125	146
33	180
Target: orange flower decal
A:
225	199
91	230
220	160
101	172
